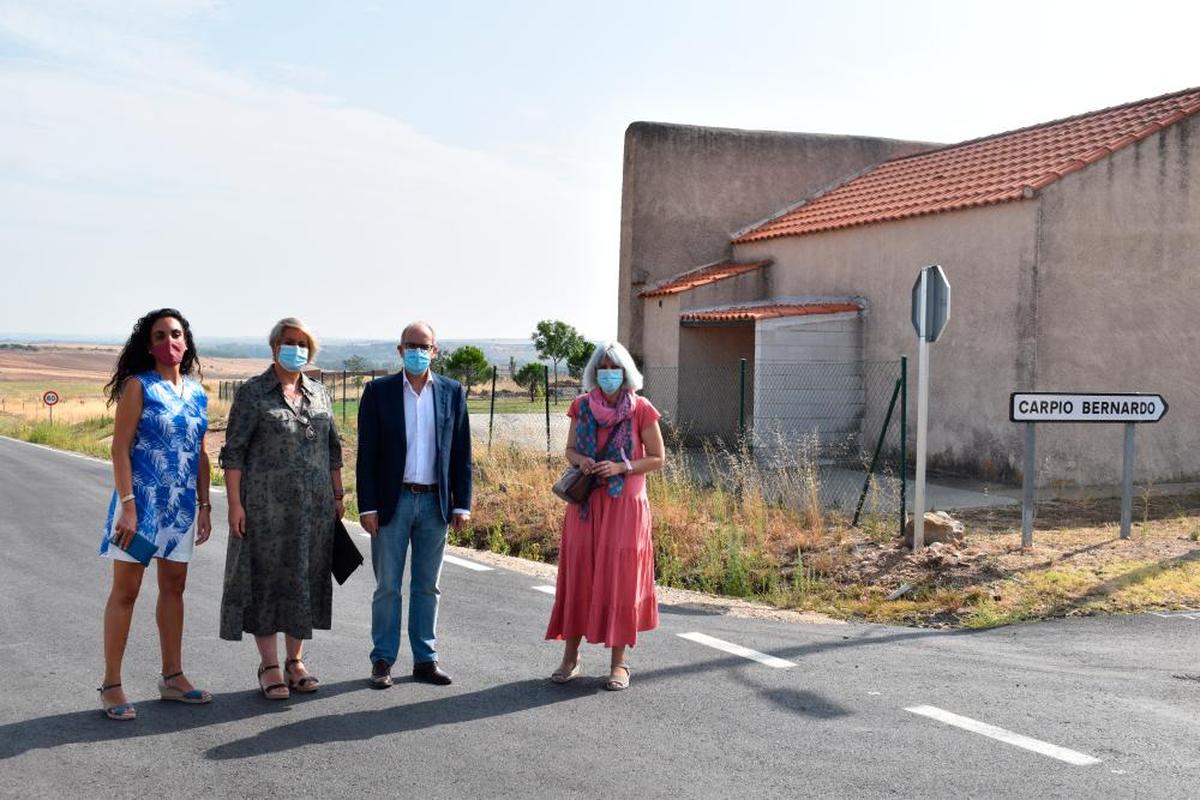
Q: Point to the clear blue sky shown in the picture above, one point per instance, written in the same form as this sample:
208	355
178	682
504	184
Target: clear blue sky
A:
364	163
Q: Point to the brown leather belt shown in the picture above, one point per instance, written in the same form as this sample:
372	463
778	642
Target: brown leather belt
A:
420	488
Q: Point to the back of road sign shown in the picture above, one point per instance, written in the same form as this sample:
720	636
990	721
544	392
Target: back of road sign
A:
937	303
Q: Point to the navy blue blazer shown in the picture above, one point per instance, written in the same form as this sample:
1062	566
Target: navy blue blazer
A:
383	447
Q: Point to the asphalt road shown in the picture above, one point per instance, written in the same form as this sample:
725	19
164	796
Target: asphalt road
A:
856	710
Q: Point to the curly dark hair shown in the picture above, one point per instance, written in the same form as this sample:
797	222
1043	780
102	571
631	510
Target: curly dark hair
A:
135	355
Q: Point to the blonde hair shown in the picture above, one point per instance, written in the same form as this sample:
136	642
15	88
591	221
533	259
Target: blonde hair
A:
298	324
616	353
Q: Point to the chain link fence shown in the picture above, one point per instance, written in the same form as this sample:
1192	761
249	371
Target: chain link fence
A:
809	432
828	434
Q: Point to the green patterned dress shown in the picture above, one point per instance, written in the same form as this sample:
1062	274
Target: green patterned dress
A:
277	578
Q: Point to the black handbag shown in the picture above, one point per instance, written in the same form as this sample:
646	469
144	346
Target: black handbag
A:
346	557
575	485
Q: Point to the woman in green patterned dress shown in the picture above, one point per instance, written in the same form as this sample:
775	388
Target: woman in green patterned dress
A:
282	459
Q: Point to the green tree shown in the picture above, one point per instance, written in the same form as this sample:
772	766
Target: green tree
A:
531	376
556	341
579	359
355	363
468	365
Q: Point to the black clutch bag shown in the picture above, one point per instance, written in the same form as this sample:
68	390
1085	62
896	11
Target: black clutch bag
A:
346	557
575	485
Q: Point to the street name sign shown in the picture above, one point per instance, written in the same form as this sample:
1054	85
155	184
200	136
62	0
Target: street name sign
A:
1090	407
1127	408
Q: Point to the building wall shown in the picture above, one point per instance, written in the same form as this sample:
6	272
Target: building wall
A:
988	348
744	288
686	189
660	359
1119	305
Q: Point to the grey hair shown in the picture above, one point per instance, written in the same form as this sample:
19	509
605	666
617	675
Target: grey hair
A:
298	324
616	353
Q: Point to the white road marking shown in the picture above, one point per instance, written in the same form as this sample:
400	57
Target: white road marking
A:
462	562
1008	737
547	589
737	650
1177	615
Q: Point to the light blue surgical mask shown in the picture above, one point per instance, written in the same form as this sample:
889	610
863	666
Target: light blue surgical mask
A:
416	361
610	379
292	357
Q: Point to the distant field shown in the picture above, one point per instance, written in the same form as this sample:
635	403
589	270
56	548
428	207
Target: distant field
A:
55	363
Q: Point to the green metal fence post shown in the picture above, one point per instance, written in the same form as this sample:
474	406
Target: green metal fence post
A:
492	409
343	398
742	401
546	377
903	442
875	457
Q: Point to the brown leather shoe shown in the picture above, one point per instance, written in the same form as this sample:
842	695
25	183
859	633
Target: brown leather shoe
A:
381	675
429	672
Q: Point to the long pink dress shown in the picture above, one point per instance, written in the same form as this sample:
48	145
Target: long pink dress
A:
605	589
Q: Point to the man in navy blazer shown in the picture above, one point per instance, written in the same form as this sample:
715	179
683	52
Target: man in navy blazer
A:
414	479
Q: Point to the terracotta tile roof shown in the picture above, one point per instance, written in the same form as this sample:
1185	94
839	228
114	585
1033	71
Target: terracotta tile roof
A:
748	313
710	273
995	169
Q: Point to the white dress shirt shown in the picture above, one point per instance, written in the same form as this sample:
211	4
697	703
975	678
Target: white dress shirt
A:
420	432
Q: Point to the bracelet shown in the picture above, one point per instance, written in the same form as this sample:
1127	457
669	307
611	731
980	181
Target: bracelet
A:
126	499
204	505
628	466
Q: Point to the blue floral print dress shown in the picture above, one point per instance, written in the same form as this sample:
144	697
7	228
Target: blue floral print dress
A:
165	456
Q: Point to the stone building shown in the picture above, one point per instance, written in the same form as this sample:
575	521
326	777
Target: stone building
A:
1073	248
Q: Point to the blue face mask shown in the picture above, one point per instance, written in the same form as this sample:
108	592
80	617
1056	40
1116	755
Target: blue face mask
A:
610	379
416	361
292	357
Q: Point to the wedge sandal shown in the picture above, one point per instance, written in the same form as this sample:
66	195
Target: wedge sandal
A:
306	685
192	696
614	684
274	687
561	675
121	712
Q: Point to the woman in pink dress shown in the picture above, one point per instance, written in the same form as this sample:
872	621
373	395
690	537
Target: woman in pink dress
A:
605	588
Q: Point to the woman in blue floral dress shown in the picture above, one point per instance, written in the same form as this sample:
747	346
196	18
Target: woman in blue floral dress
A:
161	503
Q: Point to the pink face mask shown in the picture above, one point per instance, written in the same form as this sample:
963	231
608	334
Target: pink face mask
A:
169	351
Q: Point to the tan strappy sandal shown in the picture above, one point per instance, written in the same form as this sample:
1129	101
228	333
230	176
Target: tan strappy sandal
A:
561	675
617	684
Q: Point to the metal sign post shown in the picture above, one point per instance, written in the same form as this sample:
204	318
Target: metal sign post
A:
1127	408
930	312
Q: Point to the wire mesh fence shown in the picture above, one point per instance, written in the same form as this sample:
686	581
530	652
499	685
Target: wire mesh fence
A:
825	434
812	431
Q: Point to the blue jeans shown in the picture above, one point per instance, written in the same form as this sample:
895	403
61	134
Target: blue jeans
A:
418	520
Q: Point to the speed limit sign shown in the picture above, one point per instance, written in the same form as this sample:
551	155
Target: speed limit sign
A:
50	398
